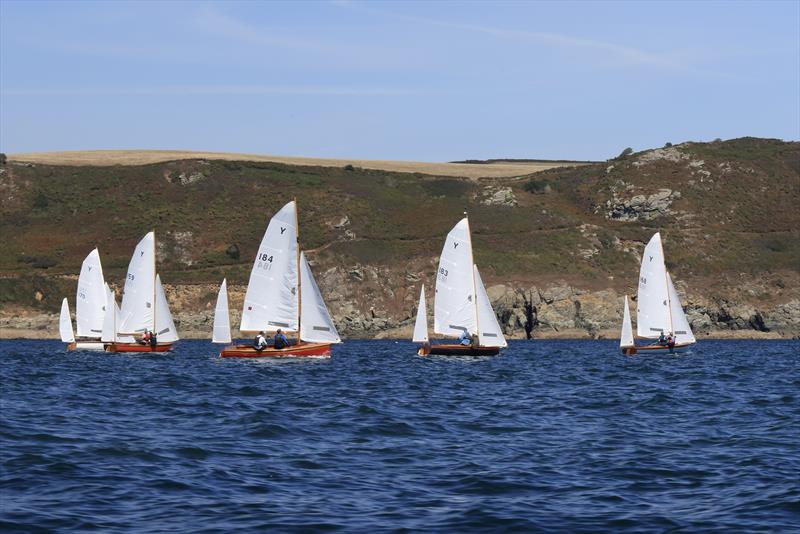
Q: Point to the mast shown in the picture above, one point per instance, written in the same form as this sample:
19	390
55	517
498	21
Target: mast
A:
299	298
474	286
666	285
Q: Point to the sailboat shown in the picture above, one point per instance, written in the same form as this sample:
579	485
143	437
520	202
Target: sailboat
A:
461	305
282	294
659	311
144	305
90	305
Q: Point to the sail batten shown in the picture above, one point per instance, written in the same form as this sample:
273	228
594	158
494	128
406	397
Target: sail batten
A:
421	323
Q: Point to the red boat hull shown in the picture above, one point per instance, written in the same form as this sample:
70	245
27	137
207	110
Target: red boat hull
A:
458	350
656	349
294	351
138	347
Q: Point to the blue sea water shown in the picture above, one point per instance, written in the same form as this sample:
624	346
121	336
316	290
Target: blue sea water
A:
549	436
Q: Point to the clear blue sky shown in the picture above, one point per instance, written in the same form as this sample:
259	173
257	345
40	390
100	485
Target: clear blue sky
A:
405	80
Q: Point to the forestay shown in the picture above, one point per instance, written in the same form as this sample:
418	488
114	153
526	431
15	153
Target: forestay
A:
683	332
315	324
653	312
421	324
271	301
222	324
165	327
65	323
139	291
489	332
90	300
454	309
626	336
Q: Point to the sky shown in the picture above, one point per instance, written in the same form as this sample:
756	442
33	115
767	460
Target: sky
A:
427	81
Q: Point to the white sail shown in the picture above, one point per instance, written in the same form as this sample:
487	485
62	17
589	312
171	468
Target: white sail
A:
90	301
65	323
165	327
421	325
454	309
626	337
315	321
222	322
683	332
653	310
271	301
110	317
139	291
489	332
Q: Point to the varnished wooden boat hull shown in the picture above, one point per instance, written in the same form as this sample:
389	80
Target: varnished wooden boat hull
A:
458	350
294	351
137	347
656	349
87	345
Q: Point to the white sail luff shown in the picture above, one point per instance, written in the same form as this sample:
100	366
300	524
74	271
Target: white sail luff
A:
316	325
222	324
454	310
490	334
653	309
421	324
271	301
165	326
138	295
90	298
683	332
626	336
65	323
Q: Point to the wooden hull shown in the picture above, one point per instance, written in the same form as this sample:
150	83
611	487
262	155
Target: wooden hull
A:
656	349
458	350
137	347
87	345
300	350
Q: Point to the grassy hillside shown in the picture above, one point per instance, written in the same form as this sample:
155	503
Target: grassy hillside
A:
730	214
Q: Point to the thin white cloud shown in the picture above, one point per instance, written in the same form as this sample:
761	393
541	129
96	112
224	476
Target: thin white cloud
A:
300	90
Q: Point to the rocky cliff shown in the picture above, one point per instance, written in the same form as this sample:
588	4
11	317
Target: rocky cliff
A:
557	249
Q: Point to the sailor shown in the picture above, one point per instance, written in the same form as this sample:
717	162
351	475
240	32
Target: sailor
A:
145	338
260	342
280	341
153	339
465	339
662	339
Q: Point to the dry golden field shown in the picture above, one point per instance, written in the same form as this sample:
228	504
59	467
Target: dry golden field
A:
145	157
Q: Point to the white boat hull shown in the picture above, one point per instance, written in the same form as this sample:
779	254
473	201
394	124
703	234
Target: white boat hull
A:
87	345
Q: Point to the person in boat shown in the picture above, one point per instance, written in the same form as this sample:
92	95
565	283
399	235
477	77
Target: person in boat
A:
280	341
670	341
145	338
662	339
465	339
153	339
260	343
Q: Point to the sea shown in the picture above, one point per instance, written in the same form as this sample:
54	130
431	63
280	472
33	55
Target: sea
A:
549	436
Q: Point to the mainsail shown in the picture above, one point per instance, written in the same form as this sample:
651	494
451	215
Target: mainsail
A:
65	323
222	323
421	324
90	300
165	327
271	301
139	292
454	309
315	321
653	313
489	332
626	336
683	332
